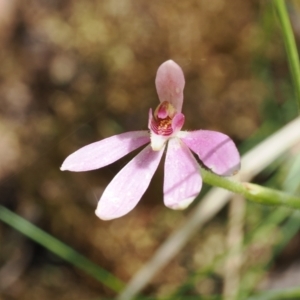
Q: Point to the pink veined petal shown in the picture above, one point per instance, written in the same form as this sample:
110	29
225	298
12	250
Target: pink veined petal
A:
182	181
105	152
178	122
128	186
170	84
216	150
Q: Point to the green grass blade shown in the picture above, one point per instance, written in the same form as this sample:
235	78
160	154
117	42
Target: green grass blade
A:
60	249
250	280
290	45
292	293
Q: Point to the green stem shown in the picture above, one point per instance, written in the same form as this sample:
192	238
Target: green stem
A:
253	192
60	249
291	293
290	46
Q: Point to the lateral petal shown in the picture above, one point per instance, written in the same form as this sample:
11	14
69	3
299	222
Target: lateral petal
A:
105	152
170	84
216	150
178	122
128	186
182	181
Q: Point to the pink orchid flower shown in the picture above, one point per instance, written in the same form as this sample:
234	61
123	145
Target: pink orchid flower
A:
182	178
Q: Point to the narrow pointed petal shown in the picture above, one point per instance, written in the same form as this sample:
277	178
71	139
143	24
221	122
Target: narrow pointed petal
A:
182	182
216	150
105	152
170	84
128	186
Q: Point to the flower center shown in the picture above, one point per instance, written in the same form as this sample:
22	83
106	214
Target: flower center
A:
164	127
164	124
161	123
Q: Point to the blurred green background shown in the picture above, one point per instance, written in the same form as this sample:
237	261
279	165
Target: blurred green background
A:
73	72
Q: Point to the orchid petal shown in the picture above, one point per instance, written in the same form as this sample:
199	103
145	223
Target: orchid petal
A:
170	84
105	152
177	122
182	181
216	150
128	186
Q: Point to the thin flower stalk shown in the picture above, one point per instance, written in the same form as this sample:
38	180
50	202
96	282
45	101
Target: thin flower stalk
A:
251	191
